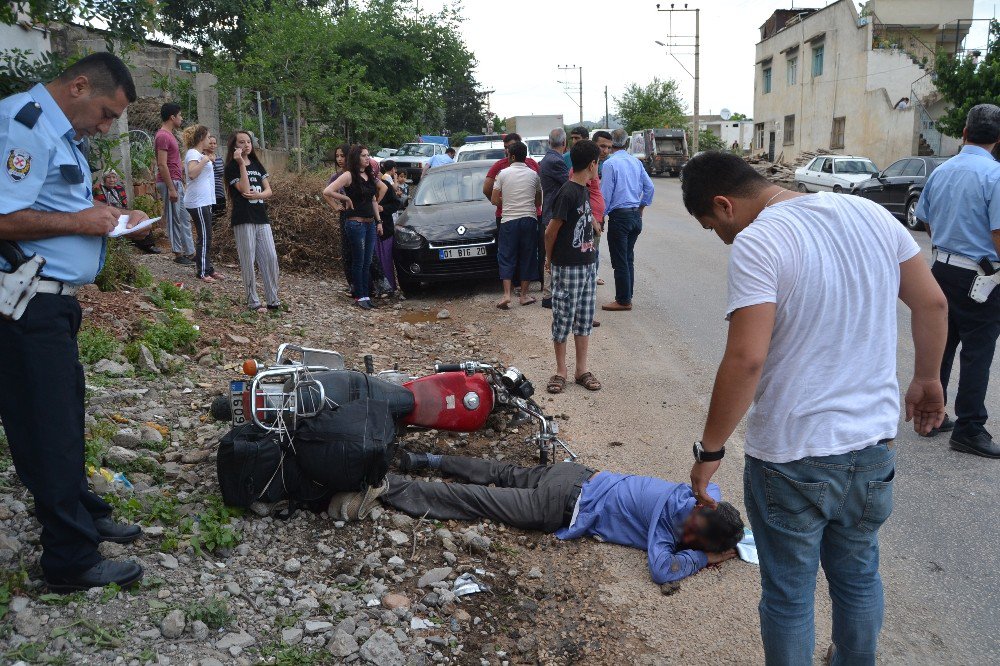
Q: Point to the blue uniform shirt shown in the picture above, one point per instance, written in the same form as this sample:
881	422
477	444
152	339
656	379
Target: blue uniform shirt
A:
45	170
642	512
625	183
961	202
439	160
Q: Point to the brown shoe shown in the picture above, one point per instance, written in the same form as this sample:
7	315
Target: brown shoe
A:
615	306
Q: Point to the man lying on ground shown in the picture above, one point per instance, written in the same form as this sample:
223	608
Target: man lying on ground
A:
569	500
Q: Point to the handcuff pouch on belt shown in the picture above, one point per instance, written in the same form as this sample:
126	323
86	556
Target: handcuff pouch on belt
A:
20	284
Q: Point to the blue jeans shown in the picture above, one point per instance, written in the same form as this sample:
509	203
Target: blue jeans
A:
825	509
624	227
361	236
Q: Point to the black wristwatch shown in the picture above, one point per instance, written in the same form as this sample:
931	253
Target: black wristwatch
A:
701	455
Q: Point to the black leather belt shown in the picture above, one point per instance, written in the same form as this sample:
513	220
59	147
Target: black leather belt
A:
574	495
625	210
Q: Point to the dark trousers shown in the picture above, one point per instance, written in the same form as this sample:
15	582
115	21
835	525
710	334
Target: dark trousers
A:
41	405
974	326
202	219
361	238
624	227
345	252
531	498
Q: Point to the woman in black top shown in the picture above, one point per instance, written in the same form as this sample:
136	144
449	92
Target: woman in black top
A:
248	187
359	191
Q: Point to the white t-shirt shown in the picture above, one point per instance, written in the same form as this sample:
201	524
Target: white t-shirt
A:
199	191
830	262
518	183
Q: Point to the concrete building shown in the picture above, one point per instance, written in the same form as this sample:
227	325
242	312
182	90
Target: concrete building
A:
834	79
730	131
26	36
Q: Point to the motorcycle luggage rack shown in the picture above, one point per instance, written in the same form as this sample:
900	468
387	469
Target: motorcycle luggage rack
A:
287	402
313	359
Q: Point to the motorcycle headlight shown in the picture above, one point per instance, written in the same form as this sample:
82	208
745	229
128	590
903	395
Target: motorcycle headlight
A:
408	239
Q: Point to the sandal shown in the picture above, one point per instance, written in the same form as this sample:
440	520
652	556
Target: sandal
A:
589	382
557	383
206	278
530	301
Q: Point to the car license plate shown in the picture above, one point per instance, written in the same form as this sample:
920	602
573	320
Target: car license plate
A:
236	389
462	252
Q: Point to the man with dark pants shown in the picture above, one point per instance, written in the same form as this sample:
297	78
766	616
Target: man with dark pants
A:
517	242
813	285
46	209
569	500
554	173
627	191
961	206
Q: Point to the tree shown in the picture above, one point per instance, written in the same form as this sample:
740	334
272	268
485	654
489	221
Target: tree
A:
968	80
739	116
657	104
707	140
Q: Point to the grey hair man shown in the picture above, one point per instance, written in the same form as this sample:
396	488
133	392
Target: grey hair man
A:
554	174
961	206
627	191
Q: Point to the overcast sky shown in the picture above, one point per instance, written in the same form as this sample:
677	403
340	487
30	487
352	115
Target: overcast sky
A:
614	43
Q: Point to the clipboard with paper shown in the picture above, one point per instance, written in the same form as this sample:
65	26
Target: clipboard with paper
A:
122	230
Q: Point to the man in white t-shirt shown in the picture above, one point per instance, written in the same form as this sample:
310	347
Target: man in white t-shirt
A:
813	283
517	242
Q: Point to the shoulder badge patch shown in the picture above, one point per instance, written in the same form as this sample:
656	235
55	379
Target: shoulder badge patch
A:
18	164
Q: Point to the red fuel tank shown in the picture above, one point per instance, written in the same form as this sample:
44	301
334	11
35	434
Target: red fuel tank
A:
451	401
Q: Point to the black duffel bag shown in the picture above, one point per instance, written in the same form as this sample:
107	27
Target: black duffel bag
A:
348	448
251	468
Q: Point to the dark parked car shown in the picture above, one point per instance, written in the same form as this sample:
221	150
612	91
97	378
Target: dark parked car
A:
899	185
449	230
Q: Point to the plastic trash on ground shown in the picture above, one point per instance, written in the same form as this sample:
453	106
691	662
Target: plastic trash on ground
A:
468	584
747	548
418	623
114	479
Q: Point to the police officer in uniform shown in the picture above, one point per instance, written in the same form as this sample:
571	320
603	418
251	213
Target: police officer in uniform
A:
46	209
961	205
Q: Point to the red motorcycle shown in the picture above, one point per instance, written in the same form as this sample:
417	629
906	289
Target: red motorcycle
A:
458	397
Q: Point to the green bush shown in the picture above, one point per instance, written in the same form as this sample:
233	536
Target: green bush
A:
120	269
168	296
95	344
171	334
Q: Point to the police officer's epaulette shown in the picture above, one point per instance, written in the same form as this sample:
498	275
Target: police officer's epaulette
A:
28	115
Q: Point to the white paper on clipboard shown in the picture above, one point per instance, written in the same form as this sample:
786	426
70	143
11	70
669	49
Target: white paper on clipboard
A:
121	230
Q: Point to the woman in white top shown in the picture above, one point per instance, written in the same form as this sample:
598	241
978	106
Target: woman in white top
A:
199	195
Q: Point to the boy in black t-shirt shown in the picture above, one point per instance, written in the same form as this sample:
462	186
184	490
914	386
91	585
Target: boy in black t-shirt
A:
571	253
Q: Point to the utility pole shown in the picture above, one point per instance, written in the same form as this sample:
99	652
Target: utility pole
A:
607	120
580	90
696	117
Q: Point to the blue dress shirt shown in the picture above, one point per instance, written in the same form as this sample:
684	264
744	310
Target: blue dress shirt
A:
641	512
439	160
625	183
45	171
961	202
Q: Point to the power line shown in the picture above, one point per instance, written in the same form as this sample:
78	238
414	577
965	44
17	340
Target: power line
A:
580	70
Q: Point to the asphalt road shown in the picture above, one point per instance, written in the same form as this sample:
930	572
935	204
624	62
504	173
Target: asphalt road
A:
941	547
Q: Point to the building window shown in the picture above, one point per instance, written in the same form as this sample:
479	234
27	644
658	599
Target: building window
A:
758	130
793	70
767	80
818	60
837	134
789	130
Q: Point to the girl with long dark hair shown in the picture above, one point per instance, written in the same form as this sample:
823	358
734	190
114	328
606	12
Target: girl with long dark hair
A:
199	196
340	158
359	191
248	187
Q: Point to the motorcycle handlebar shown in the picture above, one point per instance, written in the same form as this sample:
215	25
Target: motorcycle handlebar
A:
449	367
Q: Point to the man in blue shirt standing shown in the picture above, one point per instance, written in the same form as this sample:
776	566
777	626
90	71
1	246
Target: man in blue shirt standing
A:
961	206
627	191
569	500
47	209
438	160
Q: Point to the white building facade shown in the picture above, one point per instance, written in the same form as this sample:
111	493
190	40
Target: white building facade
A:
856	85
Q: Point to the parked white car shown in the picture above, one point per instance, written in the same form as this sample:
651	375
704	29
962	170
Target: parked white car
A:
834	173
482	150
537	146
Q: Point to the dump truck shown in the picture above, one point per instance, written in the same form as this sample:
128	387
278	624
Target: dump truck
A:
661	151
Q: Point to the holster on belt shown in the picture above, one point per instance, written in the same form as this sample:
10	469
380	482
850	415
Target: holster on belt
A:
19	285
983	286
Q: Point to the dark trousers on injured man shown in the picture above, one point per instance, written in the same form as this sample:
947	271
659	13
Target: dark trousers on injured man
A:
530	498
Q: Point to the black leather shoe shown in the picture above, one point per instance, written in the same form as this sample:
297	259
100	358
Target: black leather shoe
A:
547	303
946	426
981	444
117	532
105	572
151	249
364	305
409	462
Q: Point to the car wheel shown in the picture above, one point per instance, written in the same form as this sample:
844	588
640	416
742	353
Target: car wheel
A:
801	187
912	222
838	189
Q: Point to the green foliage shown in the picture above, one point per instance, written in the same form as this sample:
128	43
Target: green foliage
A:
20	69
214	531
213	611
151	207
123	19
739	116
657	104
120	268
168	296
291	655
171	333
12	581
95	343
965	83
141	155
708	140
